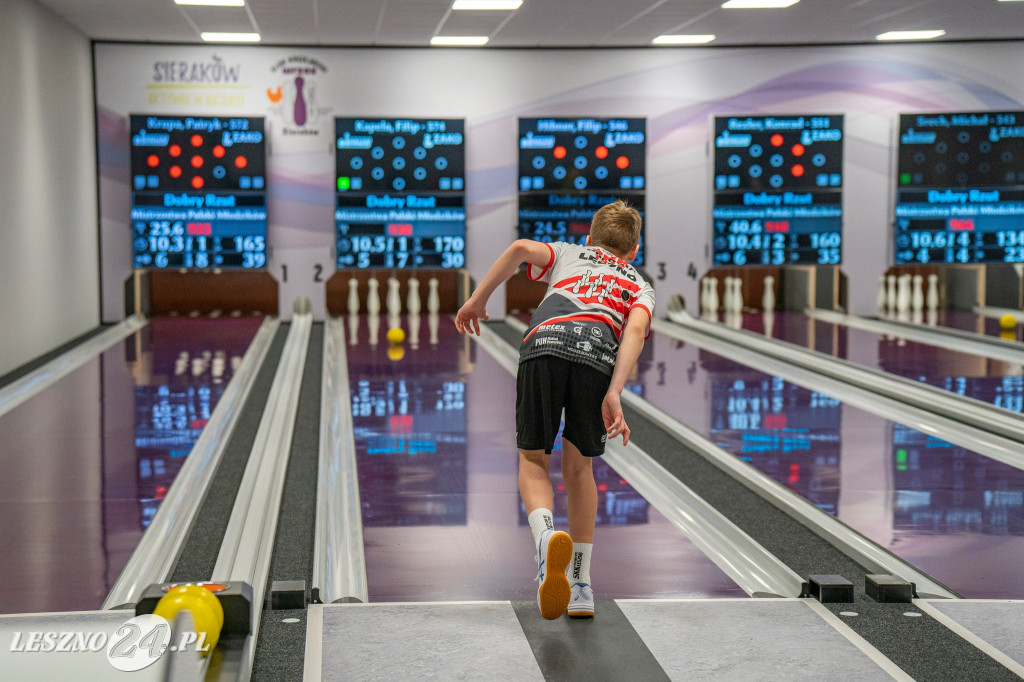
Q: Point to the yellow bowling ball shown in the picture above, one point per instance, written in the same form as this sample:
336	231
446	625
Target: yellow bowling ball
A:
207	618
396	335
396	352
1007	322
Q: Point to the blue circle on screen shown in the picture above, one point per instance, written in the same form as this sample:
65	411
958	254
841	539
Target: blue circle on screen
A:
441	163
735	161
377	173
755	171
538	162
398	142
419	173
755	150
377	152
776	160
558	172
398	183
580	182
419	153
356	162
776	181
219	172
580	162
601	172
398	163
580	142
818	160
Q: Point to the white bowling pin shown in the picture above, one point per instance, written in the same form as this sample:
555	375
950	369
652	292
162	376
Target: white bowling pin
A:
433	299
903	294
373	323
372	297
704	296
933	317
737	296
932	299
433	320
880	300
713	295
353	296
917	294
890	293
394	299
729	299
768	298
412	303
353	330
414	330
768	318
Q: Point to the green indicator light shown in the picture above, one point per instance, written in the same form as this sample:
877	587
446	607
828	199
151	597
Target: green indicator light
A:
901	467
904	178
343	184
901	456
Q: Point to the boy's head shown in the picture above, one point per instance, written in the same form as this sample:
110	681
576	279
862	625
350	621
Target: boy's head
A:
616	227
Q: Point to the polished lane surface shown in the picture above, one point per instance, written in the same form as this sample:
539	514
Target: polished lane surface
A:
437	466
85	463
955	514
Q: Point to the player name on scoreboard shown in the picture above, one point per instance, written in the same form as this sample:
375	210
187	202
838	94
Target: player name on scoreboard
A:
198	192
960	191
778	190
400	200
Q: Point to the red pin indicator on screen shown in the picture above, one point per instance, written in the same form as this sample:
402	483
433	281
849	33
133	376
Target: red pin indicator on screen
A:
218	151
197	140
174	171
197	161
798	171
776	140
601	152
798	150
153	160
622	163
174	150
197	182
241	162
559	152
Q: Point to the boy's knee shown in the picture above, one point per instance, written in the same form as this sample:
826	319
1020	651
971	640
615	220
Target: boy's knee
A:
538	457
576	467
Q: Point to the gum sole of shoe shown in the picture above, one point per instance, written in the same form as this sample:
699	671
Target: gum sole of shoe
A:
554	592
581	614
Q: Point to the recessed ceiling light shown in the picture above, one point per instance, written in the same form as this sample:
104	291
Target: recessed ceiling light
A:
213	3
678	39
460	41
230	37
910	35
758	4
505	5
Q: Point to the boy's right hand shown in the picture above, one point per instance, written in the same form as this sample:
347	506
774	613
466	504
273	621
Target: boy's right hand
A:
614	420
467	320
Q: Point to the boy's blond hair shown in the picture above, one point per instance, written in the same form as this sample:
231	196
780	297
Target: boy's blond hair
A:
616	226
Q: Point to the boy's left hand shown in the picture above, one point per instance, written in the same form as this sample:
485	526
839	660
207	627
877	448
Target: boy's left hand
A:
614	420
467	320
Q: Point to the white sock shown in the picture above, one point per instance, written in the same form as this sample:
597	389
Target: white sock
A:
540	520
578	569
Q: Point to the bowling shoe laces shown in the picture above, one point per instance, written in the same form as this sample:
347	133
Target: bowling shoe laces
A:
553	554
581	603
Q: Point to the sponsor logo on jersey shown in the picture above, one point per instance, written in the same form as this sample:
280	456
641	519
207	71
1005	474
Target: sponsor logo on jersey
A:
548	341
584	346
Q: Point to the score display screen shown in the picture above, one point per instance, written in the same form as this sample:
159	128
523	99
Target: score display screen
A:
570	167
198	192
400	200
960	188
778	190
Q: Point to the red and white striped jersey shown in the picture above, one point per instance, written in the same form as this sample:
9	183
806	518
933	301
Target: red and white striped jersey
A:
590	294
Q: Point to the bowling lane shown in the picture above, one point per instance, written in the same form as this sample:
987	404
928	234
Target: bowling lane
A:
993	381
978	324
955	514
437	466
85	463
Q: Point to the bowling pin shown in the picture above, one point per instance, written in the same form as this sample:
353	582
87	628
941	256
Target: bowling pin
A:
703	295
414	329
412	303
433	299
353	330
729	297
890	295
933	317
932	299
394	299
433	320
713	295
903	294
768	318
372	297
353	296
917	294
373	323
737	296
768	298
880	300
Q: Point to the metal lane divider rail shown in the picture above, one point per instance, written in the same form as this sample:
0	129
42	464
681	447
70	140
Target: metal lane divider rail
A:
757	571
155	555
339	561
853	544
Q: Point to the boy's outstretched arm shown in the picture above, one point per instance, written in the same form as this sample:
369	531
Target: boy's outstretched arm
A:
538	254
630	345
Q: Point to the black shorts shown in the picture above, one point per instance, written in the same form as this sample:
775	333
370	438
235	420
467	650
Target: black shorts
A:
546	385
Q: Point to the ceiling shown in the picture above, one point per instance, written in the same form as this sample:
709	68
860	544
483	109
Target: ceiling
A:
540	23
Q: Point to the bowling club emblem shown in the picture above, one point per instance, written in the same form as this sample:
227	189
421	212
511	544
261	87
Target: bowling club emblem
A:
293	96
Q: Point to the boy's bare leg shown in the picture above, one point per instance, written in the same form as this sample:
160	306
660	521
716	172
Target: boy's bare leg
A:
535	480
578	475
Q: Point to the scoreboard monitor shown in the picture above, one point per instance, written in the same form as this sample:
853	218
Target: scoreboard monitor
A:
570	167
198	192
400	199
778	190
960	188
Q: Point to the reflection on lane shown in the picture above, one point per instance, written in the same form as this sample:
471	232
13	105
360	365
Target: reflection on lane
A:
434	432
957	515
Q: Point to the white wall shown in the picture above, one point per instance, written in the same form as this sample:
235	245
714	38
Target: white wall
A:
49	274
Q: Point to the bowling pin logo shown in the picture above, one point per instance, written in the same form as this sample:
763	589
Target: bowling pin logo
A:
293	98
